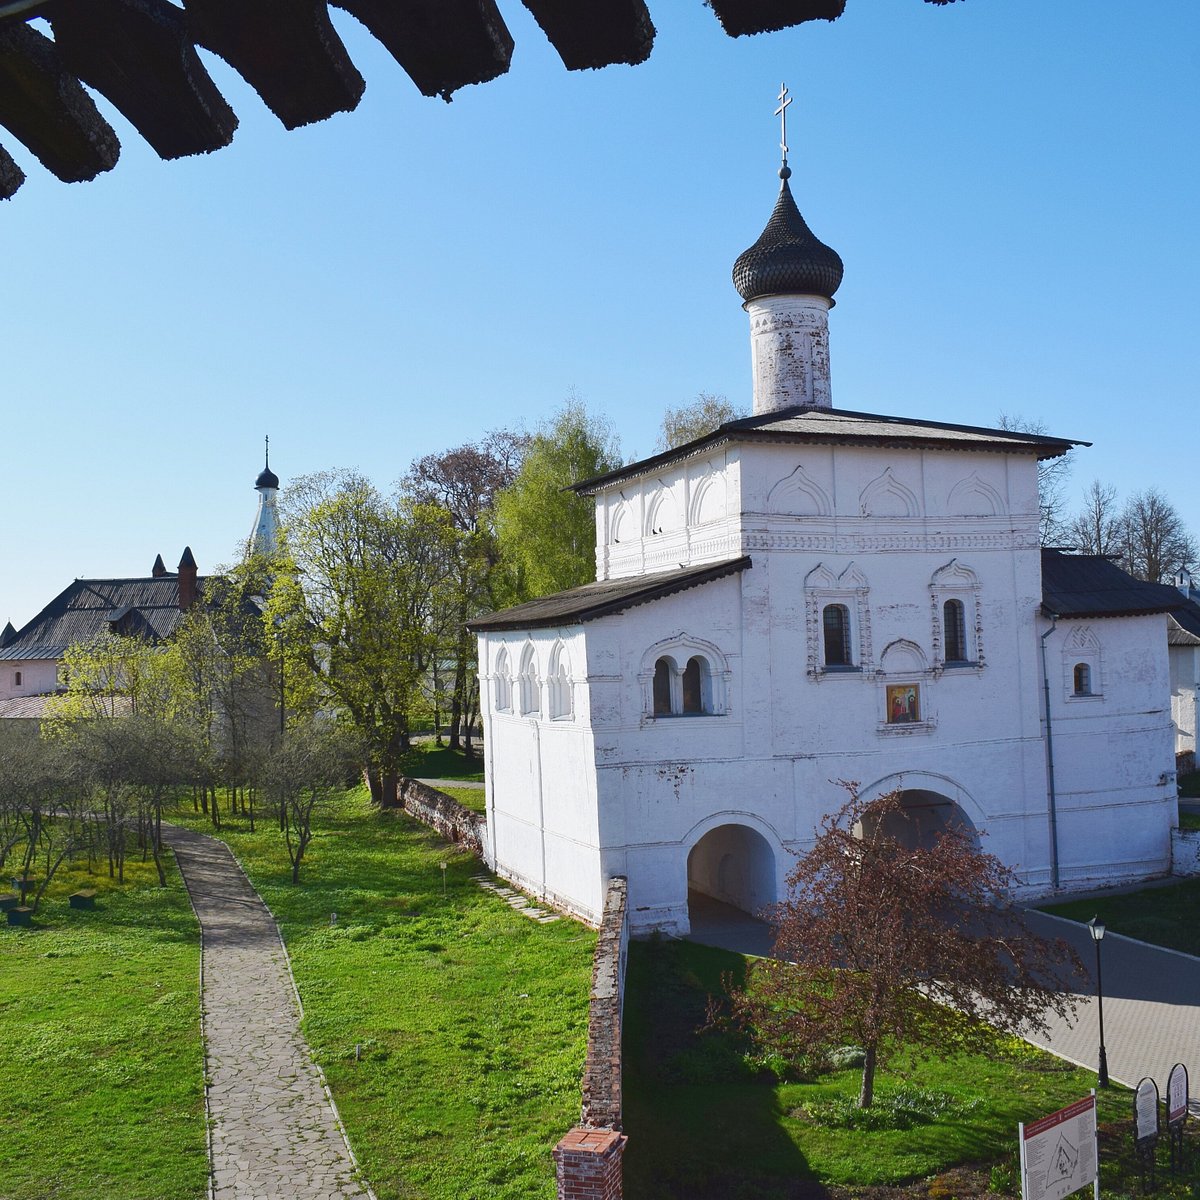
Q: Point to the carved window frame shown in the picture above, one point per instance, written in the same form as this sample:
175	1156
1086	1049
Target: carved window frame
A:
956	581
850	590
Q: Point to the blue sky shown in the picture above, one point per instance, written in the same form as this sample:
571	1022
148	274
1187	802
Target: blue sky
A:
1012	186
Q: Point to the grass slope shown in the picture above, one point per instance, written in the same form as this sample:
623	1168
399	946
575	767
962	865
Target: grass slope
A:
470	1019
101	1068
428	760
705	1125
1167	916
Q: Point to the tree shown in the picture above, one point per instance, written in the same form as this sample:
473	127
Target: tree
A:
464	482
353	602
1157	545
547	534
1096	528
691	421
889	945
1052	480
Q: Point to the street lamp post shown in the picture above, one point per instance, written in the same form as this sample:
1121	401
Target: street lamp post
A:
1096	928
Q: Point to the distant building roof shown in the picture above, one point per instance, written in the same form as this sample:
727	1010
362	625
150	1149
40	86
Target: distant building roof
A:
149	607
604	598
1187	620
1090	585
839	427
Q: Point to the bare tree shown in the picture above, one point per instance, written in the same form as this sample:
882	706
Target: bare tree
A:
1157	545
1096	528
889	945
691	421
1052	480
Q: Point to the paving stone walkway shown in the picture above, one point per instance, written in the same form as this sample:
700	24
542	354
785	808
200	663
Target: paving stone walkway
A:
275	1134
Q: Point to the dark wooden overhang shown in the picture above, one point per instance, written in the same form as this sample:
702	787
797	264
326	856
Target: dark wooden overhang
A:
141	55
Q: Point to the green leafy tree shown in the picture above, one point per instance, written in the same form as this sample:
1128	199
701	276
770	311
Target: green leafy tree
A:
886	944
546	533
692	421
354	604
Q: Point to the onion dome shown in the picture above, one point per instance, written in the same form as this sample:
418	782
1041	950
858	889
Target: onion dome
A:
787	259
267	479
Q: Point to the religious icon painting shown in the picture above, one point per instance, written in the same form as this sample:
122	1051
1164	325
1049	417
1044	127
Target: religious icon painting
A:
903	703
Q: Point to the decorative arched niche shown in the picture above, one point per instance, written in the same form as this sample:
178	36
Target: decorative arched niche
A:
886	496
558	684
975	497
662	511
956	616
799	495
708	498
684	676
903	670
528	684
502	682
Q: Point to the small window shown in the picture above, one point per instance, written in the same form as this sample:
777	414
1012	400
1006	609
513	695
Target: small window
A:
17	678
1083	679
836	621
662	688
955	626
695	677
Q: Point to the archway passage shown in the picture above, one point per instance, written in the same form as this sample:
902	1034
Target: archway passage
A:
735	865
924	816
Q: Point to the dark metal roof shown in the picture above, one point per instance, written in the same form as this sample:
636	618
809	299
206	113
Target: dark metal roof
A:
90	606
267	479
7	634
1090	585
788	259
835	426
141	56
604	598
1187	616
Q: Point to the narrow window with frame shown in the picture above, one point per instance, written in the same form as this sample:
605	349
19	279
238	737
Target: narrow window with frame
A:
836	624
954	626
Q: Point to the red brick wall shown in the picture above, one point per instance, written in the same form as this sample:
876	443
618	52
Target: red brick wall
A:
588	1164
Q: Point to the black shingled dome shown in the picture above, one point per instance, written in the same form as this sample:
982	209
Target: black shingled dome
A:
788	259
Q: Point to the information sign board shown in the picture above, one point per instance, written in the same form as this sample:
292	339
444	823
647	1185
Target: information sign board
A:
1058	1153
1177	1094
1145	1110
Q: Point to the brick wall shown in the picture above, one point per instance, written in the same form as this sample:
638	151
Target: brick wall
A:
602	1069
588	1160
452	820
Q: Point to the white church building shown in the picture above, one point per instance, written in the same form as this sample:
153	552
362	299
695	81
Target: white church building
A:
811	595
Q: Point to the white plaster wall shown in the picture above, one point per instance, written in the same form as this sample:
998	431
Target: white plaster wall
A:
38	676
1114	752
1185	684
541	796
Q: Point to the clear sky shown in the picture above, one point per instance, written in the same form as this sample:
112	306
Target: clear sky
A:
1012	185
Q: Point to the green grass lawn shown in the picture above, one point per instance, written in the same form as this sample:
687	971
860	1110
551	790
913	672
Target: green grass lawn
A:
1189	820
101	1067
471	1019
472	798
1166	916
703	1124
1189	785
427	760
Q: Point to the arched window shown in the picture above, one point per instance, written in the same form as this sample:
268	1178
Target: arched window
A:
662	687
954	625
835	619
502	682
559	682
1083	679
697	686
530	697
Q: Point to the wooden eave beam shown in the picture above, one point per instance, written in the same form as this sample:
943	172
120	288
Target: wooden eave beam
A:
741	17
138	54
287	50
46	108
443	45
595	33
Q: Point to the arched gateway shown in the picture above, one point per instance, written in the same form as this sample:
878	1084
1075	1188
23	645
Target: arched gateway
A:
924	816
734	864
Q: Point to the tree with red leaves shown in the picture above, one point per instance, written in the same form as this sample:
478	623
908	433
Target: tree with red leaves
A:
888	944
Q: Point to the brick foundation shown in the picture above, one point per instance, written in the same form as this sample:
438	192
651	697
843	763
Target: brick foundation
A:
588	1164
453	821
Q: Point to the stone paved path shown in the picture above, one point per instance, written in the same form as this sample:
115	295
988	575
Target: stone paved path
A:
1151	1007
275	1134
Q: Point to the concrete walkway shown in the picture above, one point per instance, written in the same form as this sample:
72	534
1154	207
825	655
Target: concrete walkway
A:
1151	995
275	1134
442	784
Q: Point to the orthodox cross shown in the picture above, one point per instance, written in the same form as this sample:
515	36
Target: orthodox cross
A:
781	112
267	452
